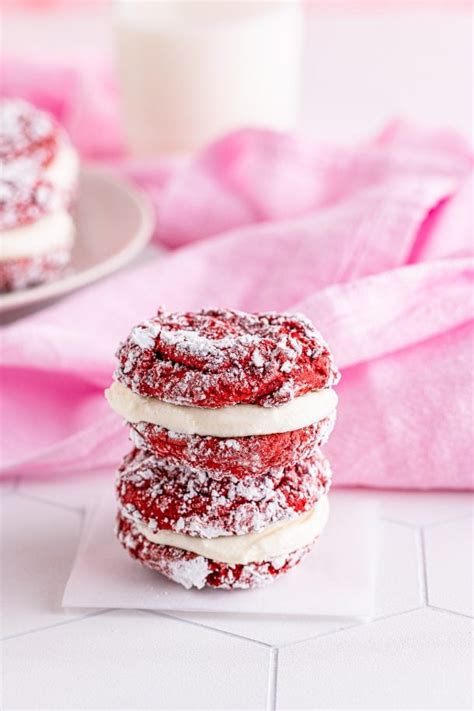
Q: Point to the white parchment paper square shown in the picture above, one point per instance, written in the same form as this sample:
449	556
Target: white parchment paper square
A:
336	578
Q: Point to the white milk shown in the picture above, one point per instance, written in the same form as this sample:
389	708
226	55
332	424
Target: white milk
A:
192	70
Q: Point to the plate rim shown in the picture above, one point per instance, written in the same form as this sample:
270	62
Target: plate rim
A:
68	283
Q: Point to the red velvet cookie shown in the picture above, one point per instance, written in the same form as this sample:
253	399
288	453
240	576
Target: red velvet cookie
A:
216	358
24	200
192	570
240	456
163	496
28	271
26	132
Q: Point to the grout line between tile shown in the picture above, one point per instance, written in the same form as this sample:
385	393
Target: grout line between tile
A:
423	574
323	634
170	616
351	626
273	679
49	502
448	520
451	612
399	523
95	613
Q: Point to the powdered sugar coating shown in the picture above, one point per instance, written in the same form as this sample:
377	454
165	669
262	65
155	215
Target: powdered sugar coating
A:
24	199
30	142
217	357
191	570
241	457
21	273
209	504
27	132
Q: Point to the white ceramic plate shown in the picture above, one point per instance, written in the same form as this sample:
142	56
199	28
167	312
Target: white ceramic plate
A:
114	223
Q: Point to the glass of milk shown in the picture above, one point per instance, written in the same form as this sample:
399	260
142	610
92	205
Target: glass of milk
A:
191	70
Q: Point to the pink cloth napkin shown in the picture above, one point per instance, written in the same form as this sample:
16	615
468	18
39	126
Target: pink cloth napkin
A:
373	243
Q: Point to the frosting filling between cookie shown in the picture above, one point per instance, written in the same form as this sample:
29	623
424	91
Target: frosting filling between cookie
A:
235	421
273	542
50	232
64	168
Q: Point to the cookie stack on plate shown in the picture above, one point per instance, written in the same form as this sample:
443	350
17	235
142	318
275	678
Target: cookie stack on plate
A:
38	179
226	485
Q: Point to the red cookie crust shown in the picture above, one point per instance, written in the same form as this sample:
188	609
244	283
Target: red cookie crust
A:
18	274
26	132
217	358
163	496
192	570
240	456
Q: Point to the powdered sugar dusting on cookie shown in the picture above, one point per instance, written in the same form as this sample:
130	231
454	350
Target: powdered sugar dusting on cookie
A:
191	573
29	141
216	358
26	131
144	336
190	342
210	504
25	199
20	273
257	359
241	456
192	570
210	487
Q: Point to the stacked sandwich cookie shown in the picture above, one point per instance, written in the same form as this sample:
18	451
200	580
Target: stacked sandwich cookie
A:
38	179
226	485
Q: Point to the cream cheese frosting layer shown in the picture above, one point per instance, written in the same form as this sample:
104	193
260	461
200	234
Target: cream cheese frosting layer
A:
234	421
53	231
273	542
64	168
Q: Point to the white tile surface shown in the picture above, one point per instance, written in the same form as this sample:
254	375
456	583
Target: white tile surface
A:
419	660
133	660
399	582
398	588
420	508
78	492
449	562
274	631
38	545
337	577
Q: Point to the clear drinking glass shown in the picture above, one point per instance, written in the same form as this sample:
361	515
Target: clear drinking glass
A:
191	70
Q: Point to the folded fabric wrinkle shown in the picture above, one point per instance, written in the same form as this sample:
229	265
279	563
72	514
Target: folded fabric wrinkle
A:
372	242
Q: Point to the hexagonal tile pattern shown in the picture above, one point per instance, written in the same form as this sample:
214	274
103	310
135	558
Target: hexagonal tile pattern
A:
133	660
399	570
398	589
411	661
449	563
273	631
38	545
